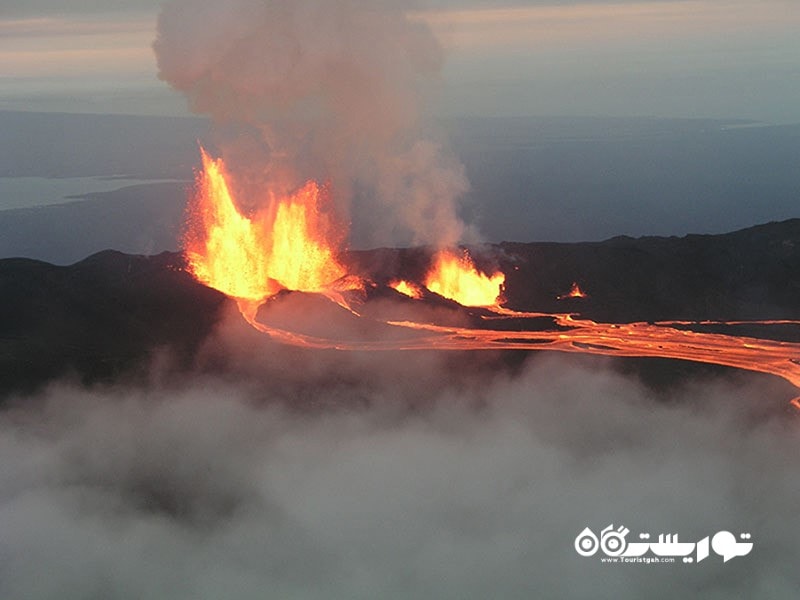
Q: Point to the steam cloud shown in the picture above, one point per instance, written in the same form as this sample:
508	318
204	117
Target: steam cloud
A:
362	476
320	89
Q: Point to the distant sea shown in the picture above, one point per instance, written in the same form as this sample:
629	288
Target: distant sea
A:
29	192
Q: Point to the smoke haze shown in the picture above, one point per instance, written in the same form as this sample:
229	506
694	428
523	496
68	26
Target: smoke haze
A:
318	89
325	475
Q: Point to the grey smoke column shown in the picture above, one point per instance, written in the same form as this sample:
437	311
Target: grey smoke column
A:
332	90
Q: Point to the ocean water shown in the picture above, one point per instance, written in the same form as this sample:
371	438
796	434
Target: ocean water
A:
30	192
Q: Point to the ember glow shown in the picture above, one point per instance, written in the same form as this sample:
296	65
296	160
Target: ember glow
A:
455	277
288	244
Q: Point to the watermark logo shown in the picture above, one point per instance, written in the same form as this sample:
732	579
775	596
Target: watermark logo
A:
614	545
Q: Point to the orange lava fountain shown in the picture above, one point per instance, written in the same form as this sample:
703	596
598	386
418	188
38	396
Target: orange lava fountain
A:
456	278
290	244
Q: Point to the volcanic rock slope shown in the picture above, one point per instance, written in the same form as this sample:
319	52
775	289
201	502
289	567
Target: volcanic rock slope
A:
749	274
98	318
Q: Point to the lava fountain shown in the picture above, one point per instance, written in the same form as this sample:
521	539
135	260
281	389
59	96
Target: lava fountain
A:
290	244
455	277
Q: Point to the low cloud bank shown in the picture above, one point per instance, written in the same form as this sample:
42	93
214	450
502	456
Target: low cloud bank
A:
269	486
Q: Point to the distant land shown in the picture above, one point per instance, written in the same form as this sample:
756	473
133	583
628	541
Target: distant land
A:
532	179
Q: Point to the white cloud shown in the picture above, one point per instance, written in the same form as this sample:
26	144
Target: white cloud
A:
291	487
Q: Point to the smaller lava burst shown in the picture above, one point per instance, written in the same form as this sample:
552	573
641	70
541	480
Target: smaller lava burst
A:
574	292
455	277
407	289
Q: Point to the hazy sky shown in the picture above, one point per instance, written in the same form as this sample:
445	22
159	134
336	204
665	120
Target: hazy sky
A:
696	58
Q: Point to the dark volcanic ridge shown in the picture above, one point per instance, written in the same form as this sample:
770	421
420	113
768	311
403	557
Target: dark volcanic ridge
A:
752	274
99	318
109	315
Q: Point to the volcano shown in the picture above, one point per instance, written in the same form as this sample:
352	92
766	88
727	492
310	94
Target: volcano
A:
108	316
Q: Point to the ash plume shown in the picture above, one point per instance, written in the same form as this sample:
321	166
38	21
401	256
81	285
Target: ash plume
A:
319	89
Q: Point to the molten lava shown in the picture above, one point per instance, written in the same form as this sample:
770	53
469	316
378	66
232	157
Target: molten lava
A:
407	289
456	277
574	292
288	244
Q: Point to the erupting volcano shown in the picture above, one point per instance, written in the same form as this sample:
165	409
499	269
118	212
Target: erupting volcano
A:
293	244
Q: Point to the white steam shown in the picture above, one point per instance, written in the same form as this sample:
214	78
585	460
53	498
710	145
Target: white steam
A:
328	90
273	487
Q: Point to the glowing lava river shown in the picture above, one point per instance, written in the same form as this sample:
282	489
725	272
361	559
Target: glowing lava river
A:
292	244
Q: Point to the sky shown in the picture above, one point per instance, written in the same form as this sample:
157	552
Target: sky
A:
664	58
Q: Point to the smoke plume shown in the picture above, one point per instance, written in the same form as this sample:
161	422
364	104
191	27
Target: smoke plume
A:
320	89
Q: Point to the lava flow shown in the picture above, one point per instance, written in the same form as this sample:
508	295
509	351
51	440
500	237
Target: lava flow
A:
291	244
580	336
